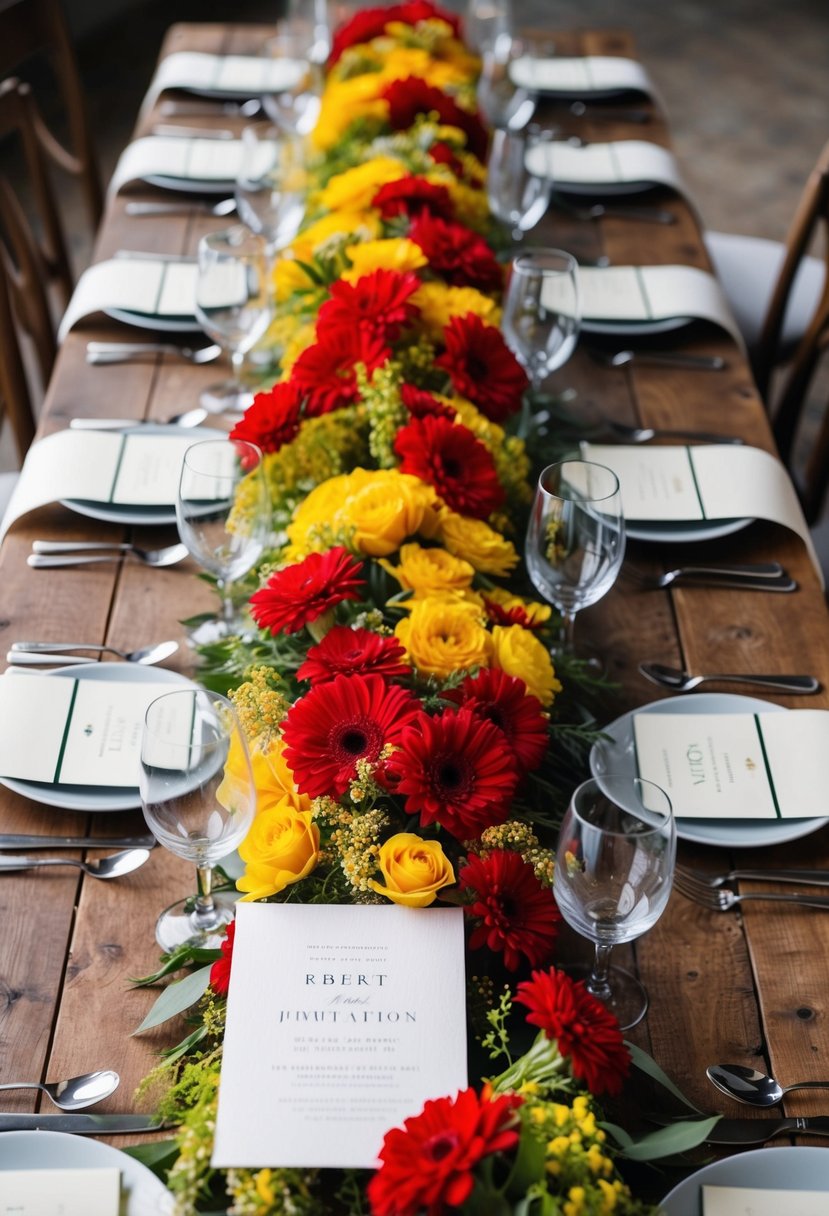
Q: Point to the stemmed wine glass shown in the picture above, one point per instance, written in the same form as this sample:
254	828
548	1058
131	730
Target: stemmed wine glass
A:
575	538
271	186
518	193
542	315
295	107
504	104
613	875
486	21
198	798
233	305
223	516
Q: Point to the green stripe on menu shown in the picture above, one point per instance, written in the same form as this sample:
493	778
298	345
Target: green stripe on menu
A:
121	448
65	738
646	301
692	467
768	767
165	266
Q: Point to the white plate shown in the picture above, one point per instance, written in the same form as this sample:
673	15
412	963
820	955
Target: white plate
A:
617	755
89	797
145	1194
124	513
191	185
634	329
786	1168
604	189
162	325
685	533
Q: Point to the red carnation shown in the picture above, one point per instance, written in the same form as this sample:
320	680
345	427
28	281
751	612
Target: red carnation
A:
447	456
220	971
428	1167
413	196
371	22
455	770
412	96
298	594
345	651
421	404
481	367
326	371
273	419
336	724
516	914
584	1028
515	615
460	256
504	701
378	303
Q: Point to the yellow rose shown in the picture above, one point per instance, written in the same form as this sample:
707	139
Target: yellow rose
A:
425	571
519	653
414	870
355	188
386	509
443	635
477	543
282	846
396	253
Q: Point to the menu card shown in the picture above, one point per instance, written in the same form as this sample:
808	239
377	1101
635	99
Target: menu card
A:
341	1023
242	76
665	484
748	1201
156	288
60	1192
200	161
618	163
737	766
584	74
73	732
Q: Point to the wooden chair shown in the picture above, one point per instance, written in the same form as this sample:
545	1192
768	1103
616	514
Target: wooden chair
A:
37	29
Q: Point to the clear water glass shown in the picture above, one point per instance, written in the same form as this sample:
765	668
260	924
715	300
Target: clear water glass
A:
272	185
195	804
502	102
295	108
613	876
542	313
233	305
310	22
485	21
519	178
223	517
575	538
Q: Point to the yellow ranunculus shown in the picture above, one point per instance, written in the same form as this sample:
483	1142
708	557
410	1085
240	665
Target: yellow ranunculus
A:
396	253
425	571
478	544
439	303
414	870
355	188
518	652
387	509
282	846
442	635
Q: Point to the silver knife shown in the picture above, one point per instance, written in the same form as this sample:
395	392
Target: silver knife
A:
758	1131
84	1125
19	841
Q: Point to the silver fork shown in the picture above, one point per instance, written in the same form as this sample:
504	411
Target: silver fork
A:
123	352
48	554
225	207
722	899
815	878
762	576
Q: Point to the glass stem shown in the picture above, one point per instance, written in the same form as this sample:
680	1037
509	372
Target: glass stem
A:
204	915
237	360
598	983
568	633
228	607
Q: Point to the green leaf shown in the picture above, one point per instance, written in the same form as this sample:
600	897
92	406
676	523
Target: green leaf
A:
680	1137
176	997
158	1156
185	956
529	1163
175	1053
649	1066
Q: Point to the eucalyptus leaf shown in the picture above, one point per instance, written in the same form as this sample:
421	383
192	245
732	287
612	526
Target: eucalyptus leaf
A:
177	997
185	956
649	1066
192	1040
680	1137
157	1156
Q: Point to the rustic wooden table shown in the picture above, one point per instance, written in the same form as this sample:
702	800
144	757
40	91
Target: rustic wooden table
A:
744	987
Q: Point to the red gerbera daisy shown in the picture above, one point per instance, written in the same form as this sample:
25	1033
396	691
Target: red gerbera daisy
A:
378	303
345	651
273	419
412	195
336	724
298	594
428	1167
516	914
516	615
326	370
371	22
447	456
421	404
481	366
504	701
584	1028
220	971
460	256
412	96
455	770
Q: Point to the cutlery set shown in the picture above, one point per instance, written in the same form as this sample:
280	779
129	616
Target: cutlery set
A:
49	554
124	352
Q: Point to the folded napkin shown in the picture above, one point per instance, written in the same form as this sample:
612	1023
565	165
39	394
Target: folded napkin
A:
581	75
162	288
241	76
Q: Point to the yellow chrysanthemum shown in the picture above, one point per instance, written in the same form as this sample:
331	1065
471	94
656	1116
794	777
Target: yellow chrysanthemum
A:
426	571
439	303
477	543
354	189
444	635
396	253
304	337
343	101
518	652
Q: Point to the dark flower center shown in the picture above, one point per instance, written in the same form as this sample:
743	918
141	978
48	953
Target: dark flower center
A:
451	467
352	740
475	367
451	777
440	1146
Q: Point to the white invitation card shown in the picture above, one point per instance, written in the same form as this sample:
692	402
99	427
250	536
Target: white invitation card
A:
750	1201
243	76
60	1192
582	74
161	288
737	766
604	164
341	1022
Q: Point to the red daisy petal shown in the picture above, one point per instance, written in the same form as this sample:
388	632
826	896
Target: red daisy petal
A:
447	456
412	96
298	594
481	367
326	371
516	915
413	195
503	700
378	303
220	971
460	256
369	23
273	419
345	651
421	404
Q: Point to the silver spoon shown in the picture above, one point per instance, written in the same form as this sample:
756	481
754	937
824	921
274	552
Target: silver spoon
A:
76	553
225	206
752	1087
112	866
76	1092
188	418
123	352
40	654
684	681
658	358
